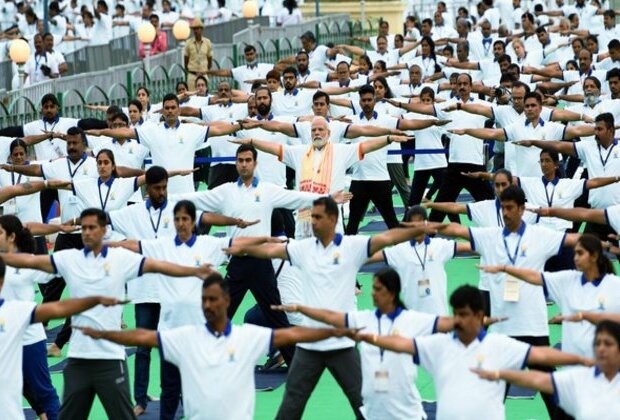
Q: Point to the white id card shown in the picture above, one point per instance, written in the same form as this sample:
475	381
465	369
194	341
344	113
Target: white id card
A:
381	380
511	289
9	207
424	288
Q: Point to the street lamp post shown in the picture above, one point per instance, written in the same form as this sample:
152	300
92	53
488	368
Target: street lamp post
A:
249	10
19	52
181	31
146	35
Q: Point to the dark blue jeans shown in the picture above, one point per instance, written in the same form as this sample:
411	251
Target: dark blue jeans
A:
170	390
37	381
147	316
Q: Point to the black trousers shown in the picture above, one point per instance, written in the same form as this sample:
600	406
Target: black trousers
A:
420	183
257	276
380	193
539	341
52	291
85	378
454	183
47	198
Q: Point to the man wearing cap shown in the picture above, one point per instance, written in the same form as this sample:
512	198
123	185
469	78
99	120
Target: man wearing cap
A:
198	54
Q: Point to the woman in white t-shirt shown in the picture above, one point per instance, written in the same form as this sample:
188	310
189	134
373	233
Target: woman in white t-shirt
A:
388	378
289	14
19	285
586	393
593	287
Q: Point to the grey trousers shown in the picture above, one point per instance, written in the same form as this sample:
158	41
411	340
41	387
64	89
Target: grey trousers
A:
305	372
85	378
397	176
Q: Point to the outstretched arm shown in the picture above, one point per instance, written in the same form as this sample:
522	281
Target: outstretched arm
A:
265	251
36	262
27	188
356	130
139	337
548	356
540	381
398	235
525	274
452	208
564	147
455	230
68	307
579	131
174	270
283	337
496	134
29	170
337	319
574	214
117	133
414	107
392	342
264	146
601	181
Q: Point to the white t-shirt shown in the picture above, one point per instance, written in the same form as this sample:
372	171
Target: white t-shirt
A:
421	267
601	162
103	275
50	149
26	207
19	284
463	149
33	67
328	278
525	308
107	196
243	73
561	192
143	221
374	165
586	394
317	58
337	131
401	399
255	202
16	317
174	148
217	373
220	146
526	158
294	104
181	297
428	138
70	205
461	394
574	294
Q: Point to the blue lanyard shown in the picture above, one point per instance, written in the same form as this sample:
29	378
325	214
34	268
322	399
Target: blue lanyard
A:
513	258
382	351
107	195
19	178
549	199
422	261
153	225
600	155
72	174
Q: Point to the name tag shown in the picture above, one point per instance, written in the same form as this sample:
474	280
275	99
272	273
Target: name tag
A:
382	379
424	288
57	150
512	287
72	200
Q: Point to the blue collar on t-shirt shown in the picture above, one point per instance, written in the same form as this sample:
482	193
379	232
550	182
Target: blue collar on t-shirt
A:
337	239
216	334
596	282
254	182
519	231
392	315
190	242
104	251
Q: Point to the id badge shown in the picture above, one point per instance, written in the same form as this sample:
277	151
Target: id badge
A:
57	150
424	288
382	378
511	289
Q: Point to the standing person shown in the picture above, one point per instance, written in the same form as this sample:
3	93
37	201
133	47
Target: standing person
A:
328	263
450	358
180	304
601	158
466	153
583	392
422	272
18	316
593	287
401	399
197	54
94	368
251	70
172	144
77	165
228	353
517	244
250	198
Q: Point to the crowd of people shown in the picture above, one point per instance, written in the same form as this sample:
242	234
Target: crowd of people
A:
519	109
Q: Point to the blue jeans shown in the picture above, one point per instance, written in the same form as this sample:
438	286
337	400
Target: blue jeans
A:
147	316
37	379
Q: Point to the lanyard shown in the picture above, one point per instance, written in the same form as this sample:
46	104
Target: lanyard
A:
487	47
19	178
53	126
153	225
500	219
513	258
422	261
381	351
600	155
72	174
107	195
549	199
428	63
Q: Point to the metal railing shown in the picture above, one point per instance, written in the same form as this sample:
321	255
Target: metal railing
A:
117	85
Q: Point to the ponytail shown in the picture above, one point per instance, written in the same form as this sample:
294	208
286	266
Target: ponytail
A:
23	238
